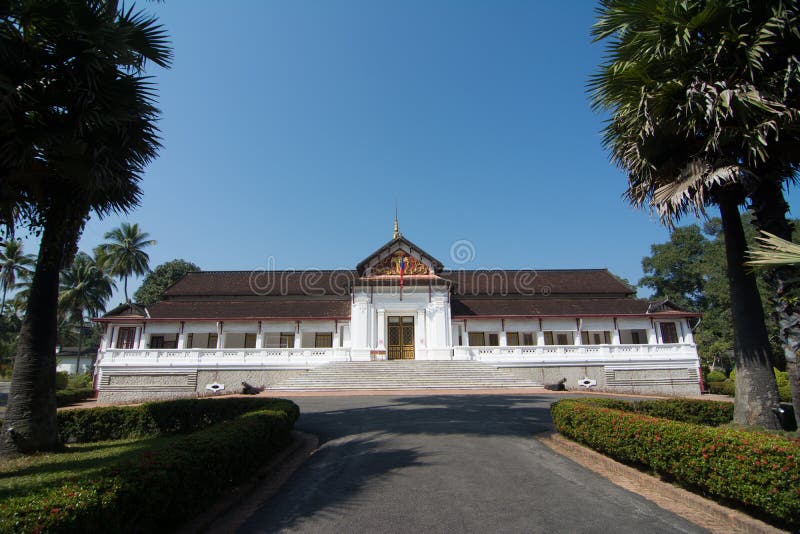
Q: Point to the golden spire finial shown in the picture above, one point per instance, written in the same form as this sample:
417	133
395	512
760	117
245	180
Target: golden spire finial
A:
396	232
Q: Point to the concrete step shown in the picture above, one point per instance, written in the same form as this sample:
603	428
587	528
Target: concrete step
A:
406	374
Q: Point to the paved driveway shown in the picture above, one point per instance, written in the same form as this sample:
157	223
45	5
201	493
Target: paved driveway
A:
446	464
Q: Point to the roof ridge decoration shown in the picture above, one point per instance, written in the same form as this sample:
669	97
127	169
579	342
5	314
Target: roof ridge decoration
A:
392	251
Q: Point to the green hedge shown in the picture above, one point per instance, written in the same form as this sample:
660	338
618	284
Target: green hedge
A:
728	387
716	376
760	472
702	412
62	379
163	487
65	397
154	418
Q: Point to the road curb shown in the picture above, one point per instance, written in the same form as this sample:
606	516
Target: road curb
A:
695	508
231	512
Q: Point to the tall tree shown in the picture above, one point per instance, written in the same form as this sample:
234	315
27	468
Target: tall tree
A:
160	278
674	269
77	129
689	128
125	252
13	263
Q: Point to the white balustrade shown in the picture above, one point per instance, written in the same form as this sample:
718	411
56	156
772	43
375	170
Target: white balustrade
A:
575	353
203	358
310	357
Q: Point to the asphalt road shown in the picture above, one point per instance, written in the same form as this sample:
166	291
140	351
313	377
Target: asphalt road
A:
446	464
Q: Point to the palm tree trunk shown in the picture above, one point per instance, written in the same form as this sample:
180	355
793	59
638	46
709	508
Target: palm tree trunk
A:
756	389
769	214
30	420
3	306
125	278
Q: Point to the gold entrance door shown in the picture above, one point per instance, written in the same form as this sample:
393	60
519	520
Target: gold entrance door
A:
401	338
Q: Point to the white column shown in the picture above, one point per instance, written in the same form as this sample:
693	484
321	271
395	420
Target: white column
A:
421	332
181	341
220	335
615	338
503	342
381	328
652	336
687	332
465	336
106	338
298	336
540	337
114	335
140	338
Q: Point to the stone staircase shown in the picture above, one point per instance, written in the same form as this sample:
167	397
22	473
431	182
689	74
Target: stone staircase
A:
404	374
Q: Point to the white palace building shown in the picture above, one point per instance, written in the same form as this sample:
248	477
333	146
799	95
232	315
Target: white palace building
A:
398	310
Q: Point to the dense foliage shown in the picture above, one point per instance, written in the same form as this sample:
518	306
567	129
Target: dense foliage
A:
759	472
162	487
160	278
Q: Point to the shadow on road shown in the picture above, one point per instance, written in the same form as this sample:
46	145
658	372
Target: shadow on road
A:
321	490
478	415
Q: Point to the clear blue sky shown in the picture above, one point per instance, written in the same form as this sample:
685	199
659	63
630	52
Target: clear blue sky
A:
290	127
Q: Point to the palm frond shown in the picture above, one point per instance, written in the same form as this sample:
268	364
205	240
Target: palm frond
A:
772	250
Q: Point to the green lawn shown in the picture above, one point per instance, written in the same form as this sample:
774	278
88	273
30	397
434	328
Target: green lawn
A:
24	475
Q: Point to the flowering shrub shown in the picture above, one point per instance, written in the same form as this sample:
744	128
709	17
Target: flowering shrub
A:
160	488
760	472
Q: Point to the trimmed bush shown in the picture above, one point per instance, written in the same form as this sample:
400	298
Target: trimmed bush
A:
760	472
162	487
62	379
702	412
163	417
728	387
68	396
716	376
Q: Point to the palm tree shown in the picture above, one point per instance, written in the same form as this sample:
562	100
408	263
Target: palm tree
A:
697	95
13	263
77	129
85	289
125	252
